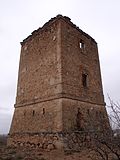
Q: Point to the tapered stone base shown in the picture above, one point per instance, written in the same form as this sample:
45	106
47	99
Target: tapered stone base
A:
74	141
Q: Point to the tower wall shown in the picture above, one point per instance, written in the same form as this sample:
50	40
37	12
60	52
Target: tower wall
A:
38	107
40	66
76	61
84	116
81	103
39	117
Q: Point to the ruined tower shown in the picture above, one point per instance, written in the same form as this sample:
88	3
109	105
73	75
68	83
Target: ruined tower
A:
59	92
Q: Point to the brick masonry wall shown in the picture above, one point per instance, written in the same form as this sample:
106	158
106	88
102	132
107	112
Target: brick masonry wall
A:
75	61
39	117
84	116
39	71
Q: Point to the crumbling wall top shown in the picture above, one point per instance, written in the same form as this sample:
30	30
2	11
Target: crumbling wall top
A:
51	21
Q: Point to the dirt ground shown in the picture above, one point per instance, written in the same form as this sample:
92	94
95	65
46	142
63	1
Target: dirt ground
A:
7	153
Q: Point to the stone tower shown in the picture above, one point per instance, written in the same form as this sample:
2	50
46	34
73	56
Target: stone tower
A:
59	92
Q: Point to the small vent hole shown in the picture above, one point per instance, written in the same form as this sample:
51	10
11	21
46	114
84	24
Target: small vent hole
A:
33	113
43	111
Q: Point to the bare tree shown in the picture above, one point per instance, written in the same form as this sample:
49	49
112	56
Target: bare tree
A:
114	115
107	146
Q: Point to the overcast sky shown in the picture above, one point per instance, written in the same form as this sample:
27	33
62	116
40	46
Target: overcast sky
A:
18	18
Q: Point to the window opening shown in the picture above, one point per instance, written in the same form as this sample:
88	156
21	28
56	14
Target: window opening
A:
24	113
33	113
82	45
80	120
84	80
43	111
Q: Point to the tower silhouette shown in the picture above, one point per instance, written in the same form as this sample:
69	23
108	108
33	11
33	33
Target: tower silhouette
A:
59	92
